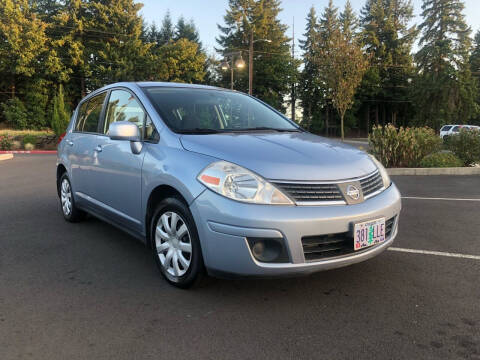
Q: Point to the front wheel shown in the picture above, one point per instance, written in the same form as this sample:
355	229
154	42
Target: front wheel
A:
175	244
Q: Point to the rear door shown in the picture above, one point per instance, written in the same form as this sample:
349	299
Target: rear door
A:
117	170
83	141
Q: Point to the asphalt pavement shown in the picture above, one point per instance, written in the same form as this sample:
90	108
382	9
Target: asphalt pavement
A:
89	291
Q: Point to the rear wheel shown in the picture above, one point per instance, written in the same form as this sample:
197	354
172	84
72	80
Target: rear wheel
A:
175	243
67	203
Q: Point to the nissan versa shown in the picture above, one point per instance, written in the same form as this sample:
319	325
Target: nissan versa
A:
216	181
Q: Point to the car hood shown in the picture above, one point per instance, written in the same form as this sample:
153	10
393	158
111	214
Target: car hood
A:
284	156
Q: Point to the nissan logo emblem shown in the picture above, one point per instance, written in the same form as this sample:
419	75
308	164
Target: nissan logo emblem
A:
353	192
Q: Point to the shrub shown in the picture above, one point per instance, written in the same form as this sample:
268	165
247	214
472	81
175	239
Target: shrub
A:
16	145
466	145
441	159
6	142
29	139
15	113
60	113
29	147
402	147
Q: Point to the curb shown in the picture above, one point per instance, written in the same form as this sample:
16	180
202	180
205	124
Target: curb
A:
32	152
6	156
434	171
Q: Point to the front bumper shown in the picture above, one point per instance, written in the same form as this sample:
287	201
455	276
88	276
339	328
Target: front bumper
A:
224	225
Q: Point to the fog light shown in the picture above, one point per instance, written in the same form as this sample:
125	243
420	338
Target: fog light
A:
268	250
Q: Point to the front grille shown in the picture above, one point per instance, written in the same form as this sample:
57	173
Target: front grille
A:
389	226
311	192
324	246
371	184
320	247
324	192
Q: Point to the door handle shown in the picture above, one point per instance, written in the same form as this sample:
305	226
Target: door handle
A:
98	148
69	142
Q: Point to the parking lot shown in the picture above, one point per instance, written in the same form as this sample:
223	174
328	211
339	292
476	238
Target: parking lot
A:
89	291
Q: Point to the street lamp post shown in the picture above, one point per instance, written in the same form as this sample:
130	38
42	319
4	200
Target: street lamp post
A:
239	64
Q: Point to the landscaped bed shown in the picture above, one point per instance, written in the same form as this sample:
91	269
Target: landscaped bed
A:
15	140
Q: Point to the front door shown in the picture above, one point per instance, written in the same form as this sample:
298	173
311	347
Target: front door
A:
117	172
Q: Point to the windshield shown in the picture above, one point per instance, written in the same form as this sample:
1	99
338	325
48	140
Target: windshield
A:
446	128
187	110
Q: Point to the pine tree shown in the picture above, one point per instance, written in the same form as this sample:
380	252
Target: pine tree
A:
121	54
60	113
22	42
310	87
446	88
186	30
475	57
151	34
180	61
72	39
167	31
388	40
348	21
273	68
475	68
328	25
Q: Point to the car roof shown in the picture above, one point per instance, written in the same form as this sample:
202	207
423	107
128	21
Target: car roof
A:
175	84
143	84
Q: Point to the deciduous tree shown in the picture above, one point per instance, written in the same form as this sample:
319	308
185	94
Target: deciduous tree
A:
344	64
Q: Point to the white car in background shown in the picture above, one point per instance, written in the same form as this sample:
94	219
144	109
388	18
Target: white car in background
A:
448	130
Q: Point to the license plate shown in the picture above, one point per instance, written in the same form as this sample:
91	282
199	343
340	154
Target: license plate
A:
369	233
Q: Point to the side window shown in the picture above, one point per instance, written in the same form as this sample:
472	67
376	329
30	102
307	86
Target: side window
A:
81	116
122	106
150	133
89	114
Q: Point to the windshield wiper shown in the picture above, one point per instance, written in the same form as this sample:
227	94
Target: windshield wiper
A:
199	131
260	128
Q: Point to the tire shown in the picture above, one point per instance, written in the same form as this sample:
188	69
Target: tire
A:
67	202
175	244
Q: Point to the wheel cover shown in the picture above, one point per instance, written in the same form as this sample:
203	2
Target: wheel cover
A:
66	197
173	244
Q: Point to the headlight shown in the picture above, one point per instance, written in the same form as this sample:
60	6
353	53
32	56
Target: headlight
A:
237	183
382	171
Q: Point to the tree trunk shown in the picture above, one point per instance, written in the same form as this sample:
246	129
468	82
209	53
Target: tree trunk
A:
367	119
326	120
341	126
13	88
82	86
376	114
250	64
384	114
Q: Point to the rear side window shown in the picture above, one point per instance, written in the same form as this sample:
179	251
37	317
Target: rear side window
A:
89	114
456	128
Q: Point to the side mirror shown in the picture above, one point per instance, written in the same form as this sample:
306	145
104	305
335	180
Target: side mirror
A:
127	131
124	130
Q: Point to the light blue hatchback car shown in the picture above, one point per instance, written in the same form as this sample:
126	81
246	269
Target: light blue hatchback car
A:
217	182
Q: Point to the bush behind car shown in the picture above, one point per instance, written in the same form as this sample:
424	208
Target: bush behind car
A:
465	145
402	147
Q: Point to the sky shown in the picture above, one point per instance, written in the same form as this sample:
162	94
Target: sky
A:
208	13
